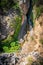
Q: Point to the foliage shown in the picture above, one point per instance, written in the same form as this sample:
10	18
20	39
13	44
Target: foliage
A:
7	4
39	10
35	2
8	39
17	26
5	48
14	47
41	41
16	6
37	7
10	44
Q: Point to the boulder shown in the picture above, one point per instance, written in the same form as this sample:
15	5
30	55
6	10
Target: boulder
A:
8	59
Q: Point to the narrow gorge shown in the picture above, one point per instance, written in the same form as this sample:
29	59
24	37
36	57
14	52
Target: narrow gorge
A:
21	32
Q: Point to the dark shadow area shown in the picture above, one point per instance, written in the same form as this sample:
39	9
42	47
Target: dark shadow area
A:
7	59
40	2
29	21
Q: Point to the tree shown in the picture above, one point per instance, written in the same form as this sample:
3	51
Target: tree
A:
7	4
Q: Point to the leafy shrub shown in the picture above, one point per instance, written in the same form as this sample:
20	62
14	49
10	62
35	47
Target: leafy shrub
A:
7	4
7	40
35	1
14	47
16	6
5	48
12	44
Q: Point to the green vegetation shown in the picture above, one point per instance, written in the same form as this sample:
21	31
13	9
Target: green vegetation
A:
10	44
37	7
32	19
41	41
12	47
39	10
34	2
17	27
6	4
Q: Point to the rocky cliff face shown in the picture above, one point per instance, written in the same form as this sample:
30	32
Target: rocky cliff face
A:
31	52
32	48
7	23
